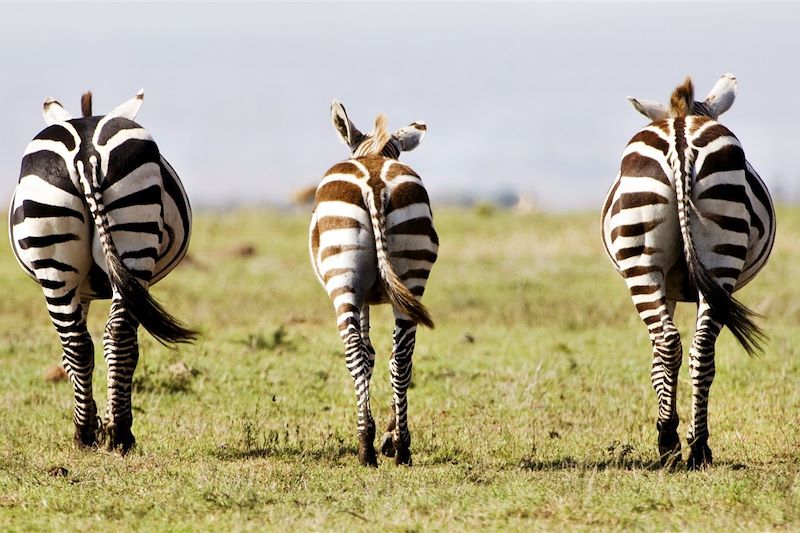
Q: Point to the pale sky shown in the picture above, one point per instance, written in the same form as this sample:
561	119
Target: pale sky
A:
517	97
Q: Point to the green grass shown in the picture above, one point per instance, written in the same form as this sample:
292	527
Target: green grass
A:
531	405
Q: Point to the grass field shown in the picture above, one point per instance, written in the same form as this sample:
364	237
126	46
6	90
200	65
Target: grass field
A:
531	405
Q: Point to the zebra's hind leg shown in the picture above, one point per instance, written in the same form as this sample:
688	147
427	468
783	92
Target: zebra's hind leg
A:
360	362
121	351
702	370
667	357
68	314
400	366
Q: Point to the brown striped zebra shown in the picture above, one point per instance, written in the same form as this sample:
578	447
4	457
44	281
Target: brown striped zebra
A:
98	213
688	219
372	241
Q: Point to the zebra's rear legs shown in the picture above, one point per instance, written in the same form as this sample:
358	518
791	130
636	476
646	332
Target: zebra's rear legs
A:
360	360
121	352
657	314
702	369
396	442
78	361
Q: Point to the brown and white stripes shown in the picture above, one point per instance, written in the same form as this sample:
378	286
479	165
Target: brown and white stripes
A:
372	241
688	219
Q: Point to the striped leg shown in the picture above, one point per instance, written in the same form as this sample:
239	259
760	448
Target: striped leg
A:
667	356
77	359
121	351
405	333
701	367
359	362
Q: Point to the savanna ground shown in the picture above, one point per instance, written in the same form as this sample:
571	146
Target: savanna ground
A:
531	405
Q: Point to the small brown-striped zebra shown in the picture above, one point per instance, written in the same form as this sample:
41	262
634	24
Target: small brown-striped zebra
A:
688	219
372	241
99	213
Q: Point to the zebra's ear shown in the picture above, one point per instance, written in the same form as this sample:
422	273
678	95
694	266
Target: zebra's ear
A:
344	127
722	95
652	110
54	112
130	108
410	136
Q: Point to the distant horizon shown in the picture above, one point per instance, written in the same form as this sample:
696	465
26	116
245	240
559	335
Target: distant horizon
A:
518	98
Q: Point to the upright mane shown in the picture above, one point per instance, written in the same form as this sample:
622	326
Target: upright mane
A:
682	100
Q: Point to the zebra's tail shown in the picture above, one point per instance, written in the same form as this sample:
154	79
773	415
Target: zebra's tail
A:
145	309
374	143
401	298
682	100
727	309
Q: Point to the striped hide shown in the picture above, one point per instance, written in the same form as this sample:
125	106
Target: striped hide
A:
98	213
688	219
372	241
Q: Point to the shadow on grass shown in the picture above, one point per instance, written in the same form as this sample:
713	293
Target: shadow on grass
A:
569	463
288	451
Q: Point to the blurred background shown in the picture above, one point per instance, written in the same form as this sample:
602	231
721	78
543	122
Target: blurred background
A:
522	101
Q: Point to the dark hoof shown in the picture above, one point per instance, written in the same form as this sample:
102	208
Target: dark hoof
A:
700	456
366	449
387	446
402	447
89	437
669	443
120	438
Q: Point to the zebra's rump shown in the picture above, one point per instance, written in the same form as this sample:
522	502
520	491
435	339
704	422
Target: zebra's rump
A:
147	209
342	238
731	217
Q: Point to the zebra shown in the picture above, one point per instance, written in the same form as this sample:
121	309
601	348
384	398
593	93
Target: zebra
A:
98	213
688	219
372	241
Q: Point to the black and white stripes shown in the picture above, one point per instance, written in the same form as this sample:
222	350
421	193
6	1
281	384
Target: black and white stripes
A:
688	219
99	213
372	241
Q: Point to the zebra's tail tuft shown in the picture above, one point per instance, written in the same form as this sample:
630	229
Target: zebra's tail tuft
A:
86	104
400	296
682	99
145	309
376	141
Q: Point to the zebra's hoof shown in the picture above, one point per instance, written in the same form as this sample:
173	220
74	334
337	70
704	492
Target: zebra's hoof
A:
366	450
387	446
669	449
402	447
120	438
89	437
699	457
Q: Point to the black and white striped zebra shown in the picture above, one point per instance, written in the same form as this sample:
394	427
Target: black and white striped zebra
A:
372	241
98	213
688	219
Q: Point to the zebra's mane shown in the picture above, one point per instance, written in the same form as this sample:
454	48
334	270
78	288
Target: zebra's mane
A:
682	99
86	104
375	140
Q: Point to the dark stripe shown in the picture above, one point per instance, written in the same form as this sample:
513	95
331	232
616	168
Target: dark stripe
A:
630	200
636	165
406	194
643	289
47	240
34	209
139	254
634	251
330	251
727	159
648	306
635	229
640	270
413	226
421	255
329	222
74	316
138	227
146	196
144	275
711	134
651	139
52	263
731	250
417	273
725	272
61	300
737	225
49	167
114	126
52	283
58	133
127	157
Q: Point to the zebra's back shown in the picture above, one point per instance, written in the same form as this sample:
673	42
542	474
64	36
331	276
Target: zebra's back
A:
731	214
